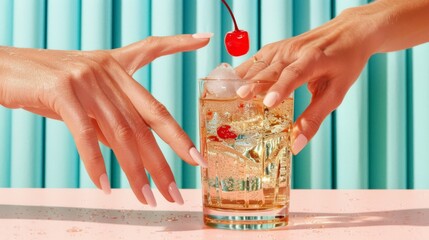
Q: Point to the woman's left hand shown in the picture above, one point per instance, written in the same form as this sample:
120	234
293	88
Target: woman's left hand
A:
94	94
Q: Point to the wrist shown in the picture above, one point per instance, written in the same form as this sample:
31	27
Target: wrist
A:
398	24
4	70
2	73
367	23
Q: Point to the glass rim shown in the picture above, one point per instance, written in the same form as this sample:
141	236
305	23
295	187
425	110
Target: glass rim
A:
237	79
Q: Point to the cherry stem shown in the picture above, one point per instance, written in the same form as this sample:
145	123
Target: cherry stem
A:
232	15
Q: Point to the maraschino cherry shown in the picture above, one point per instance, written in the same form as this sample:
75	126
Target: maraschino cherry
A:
237	41
225	132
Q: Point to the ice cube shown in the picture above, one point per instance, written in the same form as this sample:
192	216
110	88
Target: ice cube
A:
223	82
224	71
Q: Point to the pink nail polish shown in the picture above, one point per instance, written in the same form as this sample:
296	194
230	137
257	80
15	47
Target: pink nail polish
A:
175	193
202	35
196	156
243	91
299	144
105	185
271	99
148	195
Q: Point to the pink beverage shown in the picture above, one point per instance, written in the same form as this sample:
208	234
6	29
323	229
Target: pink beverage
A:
247	147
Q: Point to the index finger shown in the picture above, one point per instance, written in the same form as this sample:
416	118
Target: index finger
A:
158	118
138	54
243	68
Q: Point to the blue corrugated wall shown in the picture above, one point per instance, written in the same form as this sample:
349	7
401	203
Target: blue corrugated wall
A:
378	137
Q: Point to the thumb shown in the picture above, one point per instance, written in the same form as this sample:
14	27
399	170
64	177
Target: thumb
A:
307	125
138	54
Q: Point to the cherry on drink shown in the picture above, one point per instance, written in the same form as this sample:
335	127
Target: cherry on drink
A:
225	132
237	41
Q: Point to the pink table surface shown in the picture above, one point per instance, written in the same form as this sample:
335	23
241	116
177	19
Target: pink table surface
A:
315	214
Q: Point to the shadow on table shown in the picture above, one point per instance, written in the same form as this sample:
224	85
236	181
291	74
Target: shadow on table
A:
189	221
405	217
172	221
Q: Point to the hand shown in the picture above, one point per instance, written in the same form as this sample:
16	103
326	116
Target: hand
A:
94	94
329	59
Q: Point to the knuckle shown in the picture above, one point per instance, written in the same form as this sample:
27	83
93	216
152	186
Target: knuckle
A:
152	40
103	58
273	74
81	71
282	62
94	160
133	169
294	71
62	84
314	55
161	167
144	135
269	47
87	132
293	46
279	65
282	87
159	112
179	39
179	136
312	123
153	47
123	132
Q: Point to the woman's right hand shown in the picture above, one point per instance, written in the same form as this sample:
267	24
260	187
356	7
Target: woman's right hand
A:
328	59
331	57
94	94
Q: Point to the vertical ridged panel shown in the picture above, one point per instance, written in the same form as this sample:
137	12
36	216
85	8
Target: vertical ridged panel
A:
313	165
351	133
166	72
419	178
61	157
96	34
6	33
27	128
132	19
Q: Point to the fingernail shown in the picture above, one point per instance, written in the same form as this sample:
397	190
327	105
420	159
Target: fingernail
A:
148	195
271	99
196	156
299	144
243	91
105	185
175	193
203	35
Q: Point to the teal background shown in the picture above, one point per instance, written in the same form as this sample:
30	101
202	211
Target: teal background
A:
377	138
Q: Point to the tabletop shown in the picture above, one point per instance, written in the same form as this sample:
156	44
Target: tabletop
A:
314	214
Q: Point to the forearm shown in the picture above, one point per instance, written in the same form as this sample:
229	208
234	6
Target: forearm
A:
9	68
3	73
400	24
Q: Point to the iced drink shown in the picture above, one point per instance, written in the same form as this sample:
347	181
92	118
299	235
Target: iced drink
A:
247	147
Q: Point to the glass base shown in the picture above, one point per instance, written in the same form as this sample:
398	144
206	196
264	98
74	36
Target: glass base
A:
246	220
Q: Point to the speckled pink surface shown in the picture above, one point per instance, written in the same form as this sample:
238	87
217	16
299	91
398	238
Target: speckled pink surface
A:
315	214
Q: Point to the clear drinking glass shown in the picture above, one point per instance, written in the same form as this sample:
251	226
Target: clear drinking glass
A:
247	147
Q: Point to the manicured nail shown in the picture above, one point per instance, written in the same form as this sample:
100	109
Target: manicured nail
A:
196	156
175	193
105	185
243	91
148	195
203	35
299	144
271	99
